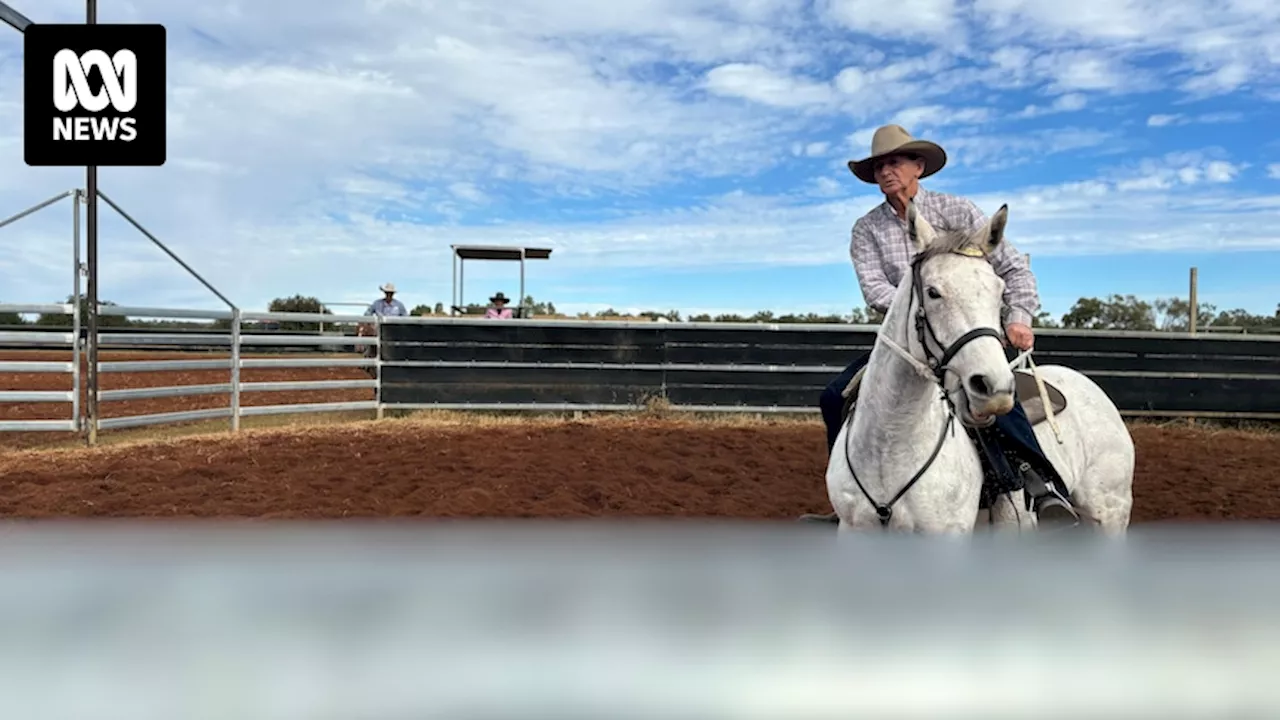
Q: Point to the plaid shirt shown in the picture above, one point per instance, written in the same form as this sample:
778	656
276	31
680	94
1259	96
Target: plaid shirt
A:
881	251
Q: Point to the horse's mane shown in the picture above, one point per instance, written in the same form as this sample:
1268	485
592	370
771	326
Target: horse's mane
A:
965	242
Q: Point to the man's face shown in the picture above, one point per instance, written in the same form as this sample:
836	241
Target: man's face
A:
897	173
388	296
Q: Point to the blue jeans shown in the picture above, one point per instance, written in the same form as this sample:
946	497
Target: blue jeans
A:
1014	423
831	402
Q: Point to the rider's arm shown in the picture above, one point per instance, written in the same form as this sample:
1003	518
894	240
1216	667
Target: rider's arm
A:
869	266
1020	293
1021	298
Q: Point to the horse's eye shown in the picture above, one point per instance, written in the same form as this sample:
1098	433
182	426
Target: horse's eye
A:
933	293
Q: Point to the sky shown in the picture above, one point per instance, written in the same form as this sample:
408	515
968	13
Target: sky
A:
675	154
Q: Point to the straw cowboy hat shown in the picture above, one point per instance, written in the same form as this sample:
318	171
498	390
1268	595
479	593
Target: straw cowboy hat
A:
389	287
894	139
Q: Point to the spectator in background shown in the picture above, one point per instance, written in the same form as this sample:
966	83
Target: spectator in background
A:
387	304
499	311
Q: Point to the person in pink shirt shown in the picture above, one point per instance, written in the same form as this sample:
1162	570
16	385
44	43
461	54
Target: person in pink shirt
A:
499	310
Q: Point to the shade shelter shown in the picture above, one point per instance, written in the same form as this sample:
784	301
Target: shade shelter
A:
511	253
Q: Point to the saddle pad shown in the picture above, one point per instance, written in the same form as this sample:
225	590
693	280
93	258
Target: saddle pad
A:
1029	394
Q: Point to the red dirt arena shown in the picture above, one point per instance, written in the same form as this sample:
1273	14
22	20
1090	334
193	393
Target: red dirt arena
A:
462	466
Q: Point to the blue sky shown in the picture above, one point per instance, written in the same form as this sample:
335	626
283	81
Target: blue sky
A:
676	154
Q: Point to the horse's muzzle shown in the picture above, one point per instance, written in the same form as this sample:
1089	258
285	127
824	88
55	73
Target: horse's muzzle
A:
989	406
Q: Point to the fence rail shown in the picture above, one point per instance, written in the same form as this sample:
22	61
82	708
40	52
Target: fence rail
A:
565	365
781	368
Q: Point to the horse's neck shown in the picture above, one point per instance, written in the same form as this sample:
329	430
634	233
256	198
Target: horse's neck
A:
899	410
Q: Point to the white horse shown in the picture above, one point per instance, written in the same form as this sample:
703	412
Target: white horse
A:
899	461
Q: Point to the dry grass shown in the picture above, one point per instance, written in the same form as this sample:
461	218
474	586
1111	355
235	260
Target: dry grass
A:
656	411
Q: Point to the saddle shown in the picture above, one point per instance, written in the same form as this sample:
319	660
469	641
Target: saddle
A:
998	458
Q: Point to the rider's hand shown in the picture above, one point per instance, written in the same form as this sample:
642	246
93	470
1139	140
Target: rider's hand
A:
1020	336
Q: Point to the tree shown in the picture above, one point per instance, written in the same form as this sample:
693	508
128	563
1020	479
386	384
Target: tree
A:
1044	320
1118	312
1174	314
8	318
62	320
298	304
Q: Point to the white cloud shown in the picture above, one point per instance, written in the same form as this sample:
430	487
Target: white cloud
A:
1007	151
1082	70
758	83
825	187
1071	102
1164	120
1273	171
937	20
1223	42
1175	169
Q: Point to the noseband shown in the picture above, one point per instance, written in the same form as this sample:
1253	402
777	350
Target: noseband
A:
938	366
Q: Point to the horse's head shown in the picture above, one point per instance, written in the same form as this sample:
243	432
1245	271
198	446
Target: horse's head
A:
955	312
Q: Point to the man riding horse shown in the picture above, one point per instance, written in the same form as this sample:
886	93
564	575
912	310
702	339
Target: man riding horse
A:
383	306
881	250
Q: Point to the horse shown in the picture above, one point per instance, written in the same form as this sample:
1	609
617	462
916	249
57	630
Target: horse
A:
898	462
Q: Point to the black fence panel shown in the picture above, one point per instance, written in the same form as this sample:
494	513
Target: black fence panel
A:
590	385
1093	343
1138	372
611	354
1180	395
521	342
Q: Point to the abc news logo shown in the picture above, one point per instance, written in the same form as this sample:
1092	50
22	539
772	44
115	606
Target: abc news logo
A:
94	95
71	91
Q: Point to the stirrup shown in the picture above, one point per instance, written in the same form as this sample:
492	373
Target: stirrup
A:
1054	511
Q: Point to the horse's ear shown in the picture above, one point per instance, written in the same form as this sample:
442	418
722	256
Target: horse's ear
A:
919	228
995	227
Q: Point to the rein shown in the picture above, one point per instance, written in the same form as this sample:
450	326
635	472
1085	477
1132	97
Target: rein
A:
933	368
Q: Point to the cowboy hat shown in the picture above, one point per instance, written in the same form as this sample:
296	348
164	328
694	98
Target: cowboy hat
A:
894	139
499	298
389	287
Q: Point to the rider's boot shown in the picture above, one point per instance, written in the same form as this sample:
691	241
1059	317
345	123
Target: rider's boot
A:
1053	509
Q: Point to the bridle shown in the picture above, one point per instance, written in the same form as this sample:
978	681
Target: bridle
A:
934	367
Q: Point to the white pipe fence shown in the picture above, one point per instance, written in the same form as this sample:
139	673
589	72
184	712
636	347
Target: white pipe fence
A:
49	341
235	342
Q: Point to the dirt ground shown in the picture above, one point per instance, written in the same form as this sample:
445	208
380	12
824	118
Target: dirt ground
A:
459	466
553	468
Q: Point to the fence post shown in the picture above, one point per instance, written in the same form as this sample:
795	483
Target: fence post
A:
77	381
235	370
1193	304
377	367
